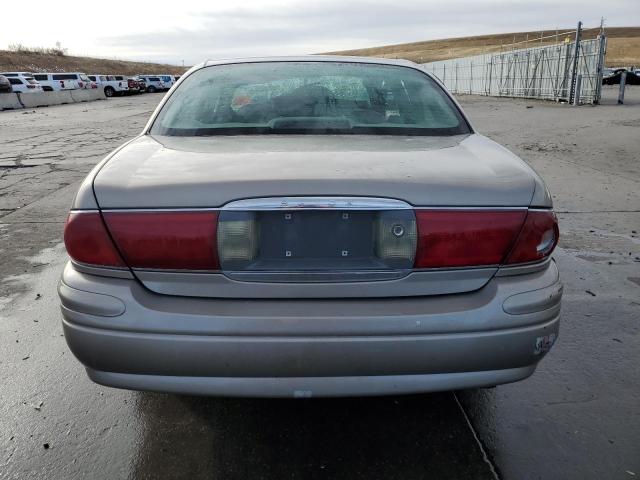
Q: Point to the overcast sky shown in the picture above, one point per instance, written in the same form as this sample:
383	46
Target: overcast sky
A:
193	30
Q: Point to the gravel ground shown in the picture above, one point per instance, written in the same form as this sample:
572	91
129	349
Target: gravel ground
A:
576	417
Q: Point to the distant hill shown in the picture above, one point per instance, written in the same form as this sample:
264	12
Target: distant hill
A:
623	46
45	62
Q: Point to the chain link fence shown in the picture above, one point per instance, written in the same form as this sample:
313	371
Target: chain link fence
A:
544	72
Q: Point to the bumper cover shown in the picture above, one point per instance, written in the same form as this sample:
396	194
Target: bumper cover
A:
309	347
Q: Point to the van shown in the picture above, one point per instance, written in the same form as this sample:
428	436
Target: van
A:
55	82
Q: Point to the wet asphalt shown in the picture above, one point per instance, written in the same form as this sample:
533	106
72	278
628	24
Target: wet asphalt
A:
578	416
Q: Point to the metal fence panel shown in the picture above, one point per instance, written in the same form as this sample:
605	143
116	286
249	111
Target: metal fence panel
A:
539	72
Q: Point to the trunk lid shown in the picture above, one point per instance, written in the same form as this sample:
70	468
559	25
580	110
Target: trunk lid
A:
169	172
354	188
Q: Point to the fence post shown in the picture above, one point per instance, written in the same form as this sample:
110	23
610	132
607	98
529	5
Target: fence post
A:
488	90
455	90
576	58
576	97
623	83
602	50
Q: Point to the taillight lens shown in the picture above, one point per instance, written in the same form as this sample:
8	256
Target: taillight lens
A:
166	240
538	238
87	240
461	238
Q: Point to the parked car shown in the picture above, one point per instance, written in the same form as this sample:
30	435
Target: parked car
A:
5	85
25	85
615	77
318	226
168	80
56	81
17	74
111	84
134	86
142	85
154	84
122	81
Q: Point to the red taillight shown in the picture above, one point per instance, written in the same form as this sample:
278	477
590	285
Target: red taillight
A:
461	238
470	238
538	238
87	240
166	240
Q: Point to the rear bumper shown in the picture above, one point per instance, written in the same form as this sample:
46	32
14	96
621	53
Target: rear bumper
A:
307	387
128	337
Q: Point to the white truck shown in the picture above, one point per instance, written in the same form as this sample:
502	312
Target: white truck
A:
112	84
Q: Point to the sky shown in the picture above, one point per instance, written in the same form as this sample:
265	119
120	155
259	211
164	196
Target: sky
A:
191	31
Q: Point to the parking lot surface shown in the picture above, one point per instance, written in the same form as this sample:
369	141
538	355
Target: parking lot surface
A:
578	416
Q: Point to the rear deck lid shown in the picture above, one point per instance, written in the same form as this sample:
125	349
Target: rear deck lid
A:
170	172
304	217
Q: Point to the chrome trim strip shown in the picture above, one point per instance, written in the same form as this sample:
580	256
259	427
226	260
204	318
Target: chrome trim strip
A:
473	209
523	268
335	276
231	207
318	203
117	272
158	210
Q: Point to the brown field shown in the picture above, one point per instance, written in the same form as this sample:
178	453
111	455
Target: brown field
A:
39	62
623	46
623	50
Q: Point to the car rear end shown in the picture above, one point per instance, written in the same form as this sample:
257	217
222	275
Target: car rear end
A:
121	84
133	85
395	254
24	85
5	85
32	85
154	84
142	84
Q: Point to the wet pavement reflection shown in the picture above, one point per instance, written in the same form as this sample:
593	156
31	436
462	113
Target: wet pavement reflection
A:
422	436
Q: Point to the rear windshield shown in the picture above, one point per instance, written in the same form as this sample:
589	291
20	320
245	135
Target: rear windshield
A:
309	97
